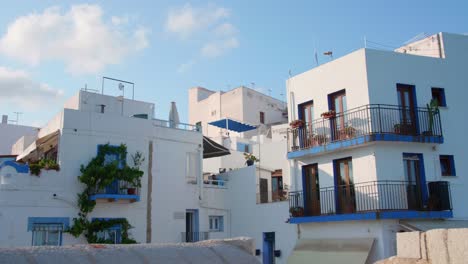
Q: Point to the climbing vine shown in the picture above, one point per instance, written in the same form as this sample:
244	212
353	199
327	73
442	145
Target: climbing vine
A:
99	173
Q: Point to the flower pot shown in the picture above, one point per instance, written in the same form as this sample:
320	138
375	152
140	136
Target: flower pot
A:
131	191
250	162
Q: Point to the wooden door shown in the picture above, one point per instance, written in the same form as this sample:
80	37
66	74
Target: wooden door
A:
307	112
339	105
412	169
312	190
346	195
406	102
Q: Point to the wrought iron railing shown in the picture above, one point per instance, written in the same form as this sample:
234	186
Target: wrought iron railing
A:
366	120
188	237
272	196
119	187
371	197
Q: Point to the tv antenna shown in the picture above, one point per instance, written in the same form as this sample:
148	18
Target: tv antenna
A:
17	117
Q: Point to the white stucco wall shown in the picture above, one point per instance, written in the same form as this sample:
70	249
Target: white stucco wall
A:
11	133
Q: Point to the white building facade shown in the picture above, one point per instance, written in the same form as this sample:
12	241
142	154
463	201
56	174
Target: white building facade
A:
369	156
168	207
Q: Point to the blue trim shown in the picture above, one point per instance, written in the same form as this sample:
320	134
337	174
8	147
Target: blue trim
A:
115	197
373	216
363	140
20	168
196	224
48	220
268	248
304	187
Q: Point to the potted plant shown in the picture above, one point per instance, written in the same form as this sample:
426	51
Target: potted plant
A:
131	191
328	114
319	139
250	159
347	132
432	110
403	129
297	123
296	211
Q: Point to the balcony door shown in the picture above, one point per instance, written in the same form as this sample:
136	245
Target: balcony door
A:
311	190
191	226
407	104
344	186
412	166
307	115
339	105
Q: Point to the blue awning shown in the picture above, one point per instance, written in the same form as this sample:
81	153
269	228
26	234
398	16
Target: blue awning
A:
232	125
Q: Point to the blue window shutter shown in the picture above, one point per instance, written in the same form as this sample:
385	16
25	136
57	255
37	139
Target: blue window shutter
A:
48	220
221	223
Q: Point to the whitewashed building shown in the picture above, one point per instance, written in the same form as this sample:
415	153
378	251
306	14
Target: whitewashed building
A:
370	158
10	133
169	206
246	121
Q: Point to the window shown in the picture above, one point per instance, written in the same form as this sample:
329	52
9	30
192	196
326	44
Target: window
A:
447	165
216	223
198	125
111	157
262	118
244	147
213	113
110	235
439	95
47	231
47	234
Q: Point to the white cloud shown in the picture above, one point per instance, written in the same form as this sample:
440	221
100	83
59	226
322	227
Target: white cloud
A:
184	67
219	47
18	88
79	37
187	20
208	25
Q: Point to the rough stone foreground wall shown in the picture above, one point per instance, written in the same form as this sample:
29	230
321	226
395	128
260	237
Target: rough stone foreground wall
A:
236	250
438	246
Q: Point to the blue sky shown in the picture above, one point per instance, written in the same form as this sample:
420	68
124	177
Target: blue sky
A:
51	49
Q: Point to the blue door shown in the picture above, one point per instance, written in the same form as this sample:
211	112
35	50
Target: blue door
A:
268	248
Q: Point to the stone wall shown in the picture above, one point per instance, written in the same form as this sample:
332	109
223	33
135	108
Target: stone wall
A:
437	246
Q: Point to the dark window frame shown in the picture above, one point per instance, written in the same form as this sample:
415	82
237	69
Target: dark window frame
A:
449	163
439	94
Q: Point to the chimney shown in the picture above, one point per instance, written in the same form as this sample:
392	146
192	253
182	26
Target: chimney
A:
4	119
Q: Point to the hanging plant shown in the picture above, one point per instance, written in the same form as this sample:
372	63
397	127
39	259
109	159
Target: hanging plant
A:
97	175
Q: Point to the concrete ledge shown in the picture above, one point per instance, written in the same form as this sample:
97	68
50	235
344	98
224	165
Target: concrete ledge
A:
236	250
409	245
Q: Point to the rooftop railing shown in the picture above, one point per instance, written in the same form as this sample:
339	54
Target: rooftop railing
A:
366	120
181	126
116	191
374	196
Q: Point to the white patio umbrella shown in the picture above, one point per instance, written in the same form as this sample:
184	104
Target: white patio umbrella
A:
173	116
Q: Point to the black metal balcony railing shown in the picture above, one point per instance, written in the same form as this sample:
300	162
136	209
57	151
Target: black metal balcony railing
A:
366	120
119	188
371	197
188	237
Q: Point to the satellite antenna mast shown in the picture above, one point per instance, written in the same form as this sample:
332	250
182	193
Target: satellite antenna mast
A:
329	53
17	117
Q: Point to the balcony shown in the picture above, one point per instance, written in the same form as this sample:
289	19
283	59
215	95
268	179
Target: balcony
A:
371	201
189	237
362	125
118	190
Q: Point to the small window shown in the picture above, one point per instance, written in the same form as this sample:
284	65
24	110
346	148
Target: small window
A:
216	223
198	125
439	95
47	234
108	235
447	165
213	113
262	118
243	147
